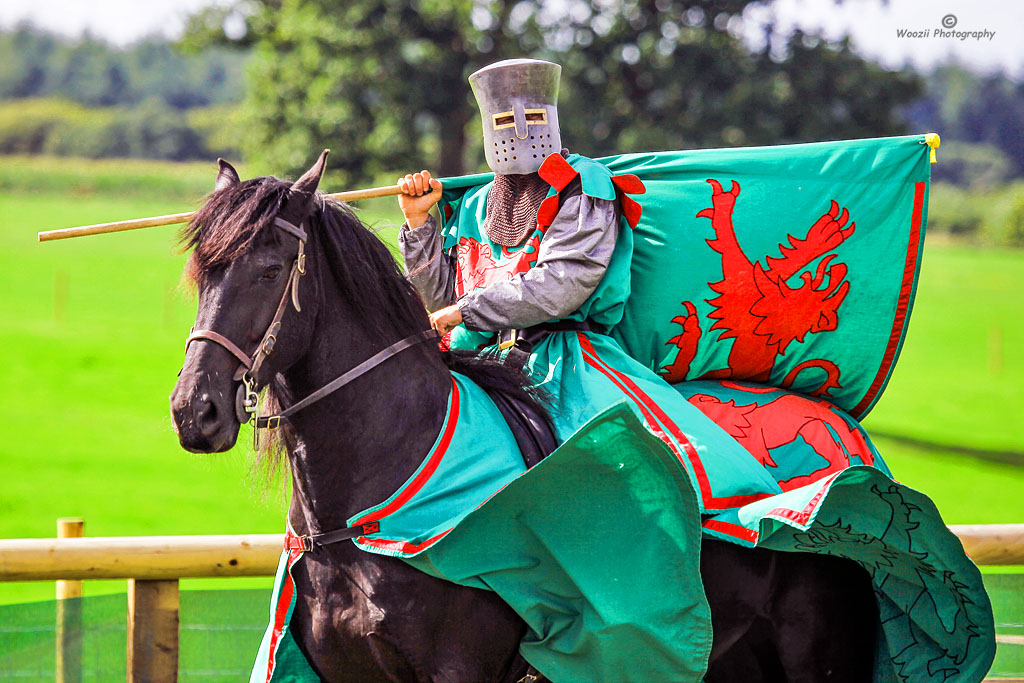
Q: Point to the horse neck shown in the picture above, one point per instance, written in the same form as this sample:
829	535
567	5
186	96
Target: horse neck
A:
356	447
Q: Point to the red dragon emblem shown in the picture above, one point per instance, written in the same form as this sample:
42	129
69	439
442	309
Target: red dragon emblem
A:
757	308
761	427
478	267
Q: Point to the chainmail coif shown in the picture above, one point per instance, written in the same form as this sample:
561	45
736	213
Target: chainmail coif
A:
512	205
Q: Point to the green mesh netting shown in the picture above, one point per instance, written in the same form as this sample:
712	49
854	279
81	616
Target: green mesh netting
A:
221	631
1007	594
219	635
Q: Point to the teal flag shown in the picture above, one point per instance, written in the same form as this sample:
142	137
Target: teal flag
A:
793	266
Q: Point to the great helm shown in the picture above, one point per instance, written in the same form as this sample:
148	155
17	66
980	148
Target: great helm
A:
518	108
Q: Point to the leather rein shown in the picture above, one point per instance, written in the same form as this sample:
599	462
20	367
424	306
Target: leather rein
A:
246	398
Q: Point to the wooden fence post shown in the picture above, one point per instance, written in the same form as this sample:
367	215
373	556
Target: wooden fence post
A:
69	613
152	631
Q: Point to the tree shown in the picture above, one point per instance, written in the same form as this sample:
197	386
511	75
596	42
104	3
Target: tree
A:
383	82
380	83
24	54
984	111
89	71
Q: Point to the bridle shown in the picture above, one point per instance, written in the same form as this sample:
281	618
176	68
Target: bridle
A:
246	398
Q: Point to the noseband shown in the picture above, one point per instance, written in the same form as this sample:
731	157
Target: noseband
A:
246	398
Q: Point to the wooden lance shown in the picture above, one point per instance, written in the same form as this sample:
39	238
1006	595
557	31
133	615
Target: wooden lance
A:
175	218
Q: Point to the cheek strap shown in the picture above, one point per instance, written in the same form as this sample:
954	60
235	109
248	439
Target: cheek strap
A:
266	345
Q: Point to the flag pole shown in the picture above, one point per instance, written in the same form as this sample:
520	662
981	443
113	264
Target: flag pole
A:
175	218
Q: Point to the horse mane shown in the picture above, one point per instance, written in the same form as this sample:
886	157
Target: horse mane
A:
368	276
236	218
229	224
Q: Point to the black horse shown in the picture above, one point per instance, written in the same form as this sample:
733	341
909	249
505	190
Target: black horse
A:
364	617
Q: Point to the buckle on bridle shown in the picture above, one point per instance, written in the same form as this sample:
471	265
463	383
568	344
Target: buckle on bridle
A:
268	344
273	422
252	399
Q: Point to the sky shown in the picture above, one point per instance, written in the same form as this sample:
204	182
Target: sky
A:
872	25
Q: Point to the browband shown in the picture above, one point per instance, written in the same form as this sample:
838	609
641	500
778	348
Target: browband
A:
290	227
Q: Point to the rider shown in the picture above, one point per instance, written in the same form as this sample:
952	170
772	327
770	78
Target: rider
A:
541	256
576	249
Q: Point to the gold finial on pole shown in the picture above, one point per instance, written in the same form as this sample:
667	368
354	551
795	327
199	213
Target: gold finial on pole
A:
932	140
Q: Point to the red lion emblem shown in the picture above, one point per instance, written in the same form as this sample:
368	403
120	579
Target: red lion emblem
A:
760	428
757	308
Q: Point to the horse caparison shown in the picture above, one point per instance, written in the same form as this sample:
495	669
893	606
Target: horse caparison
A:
366	617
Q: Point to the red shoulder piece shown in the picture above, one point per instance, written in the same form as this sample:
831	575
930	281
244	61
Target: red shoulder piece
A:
557	172
631	210
629	184
547	211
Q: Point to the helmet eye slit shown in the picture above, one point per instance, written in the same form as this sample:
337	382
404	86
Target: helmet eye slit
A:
504	120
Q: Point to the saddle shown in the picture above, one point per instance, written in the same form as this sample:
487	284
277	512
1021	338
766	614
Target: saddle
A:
529	425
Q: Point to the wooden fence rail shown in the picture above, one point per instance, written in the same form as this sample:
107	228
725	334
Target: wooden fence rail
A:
139	557
174	557
153	565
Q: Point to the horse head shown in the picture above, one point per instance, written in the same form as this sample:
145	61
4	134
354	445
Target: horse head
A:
248	257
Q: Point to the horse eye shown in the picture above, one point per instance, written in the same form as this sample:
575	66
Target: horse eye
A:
271	273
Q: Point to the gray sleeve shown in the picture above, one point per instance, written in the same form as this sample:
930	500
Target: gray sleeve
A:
571	261
428	267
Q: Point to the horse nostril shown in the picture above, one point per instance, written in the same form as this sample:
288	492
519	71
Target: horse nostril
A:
206	417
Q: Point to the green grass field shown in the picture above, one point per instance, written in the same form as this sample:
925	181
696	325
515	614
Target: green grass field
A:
93	330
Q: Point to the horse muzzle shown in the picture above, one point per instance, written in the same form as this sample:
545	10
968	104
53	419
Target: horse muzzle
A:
204	418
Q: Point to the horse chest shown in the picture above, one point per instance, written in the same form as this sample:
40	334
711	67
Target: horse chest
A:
376	618
360	622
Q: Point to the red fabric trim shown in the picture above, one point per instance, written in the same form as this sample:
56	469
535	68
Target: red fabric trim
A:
556	171
629	183
631	210
428	471
652	424
547	212
734	530
448	211
802	516
284	603
648	406
909	270
402	546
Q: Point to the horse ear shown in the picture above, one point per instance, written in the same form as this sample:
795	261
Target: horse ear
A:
307	184
226	176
